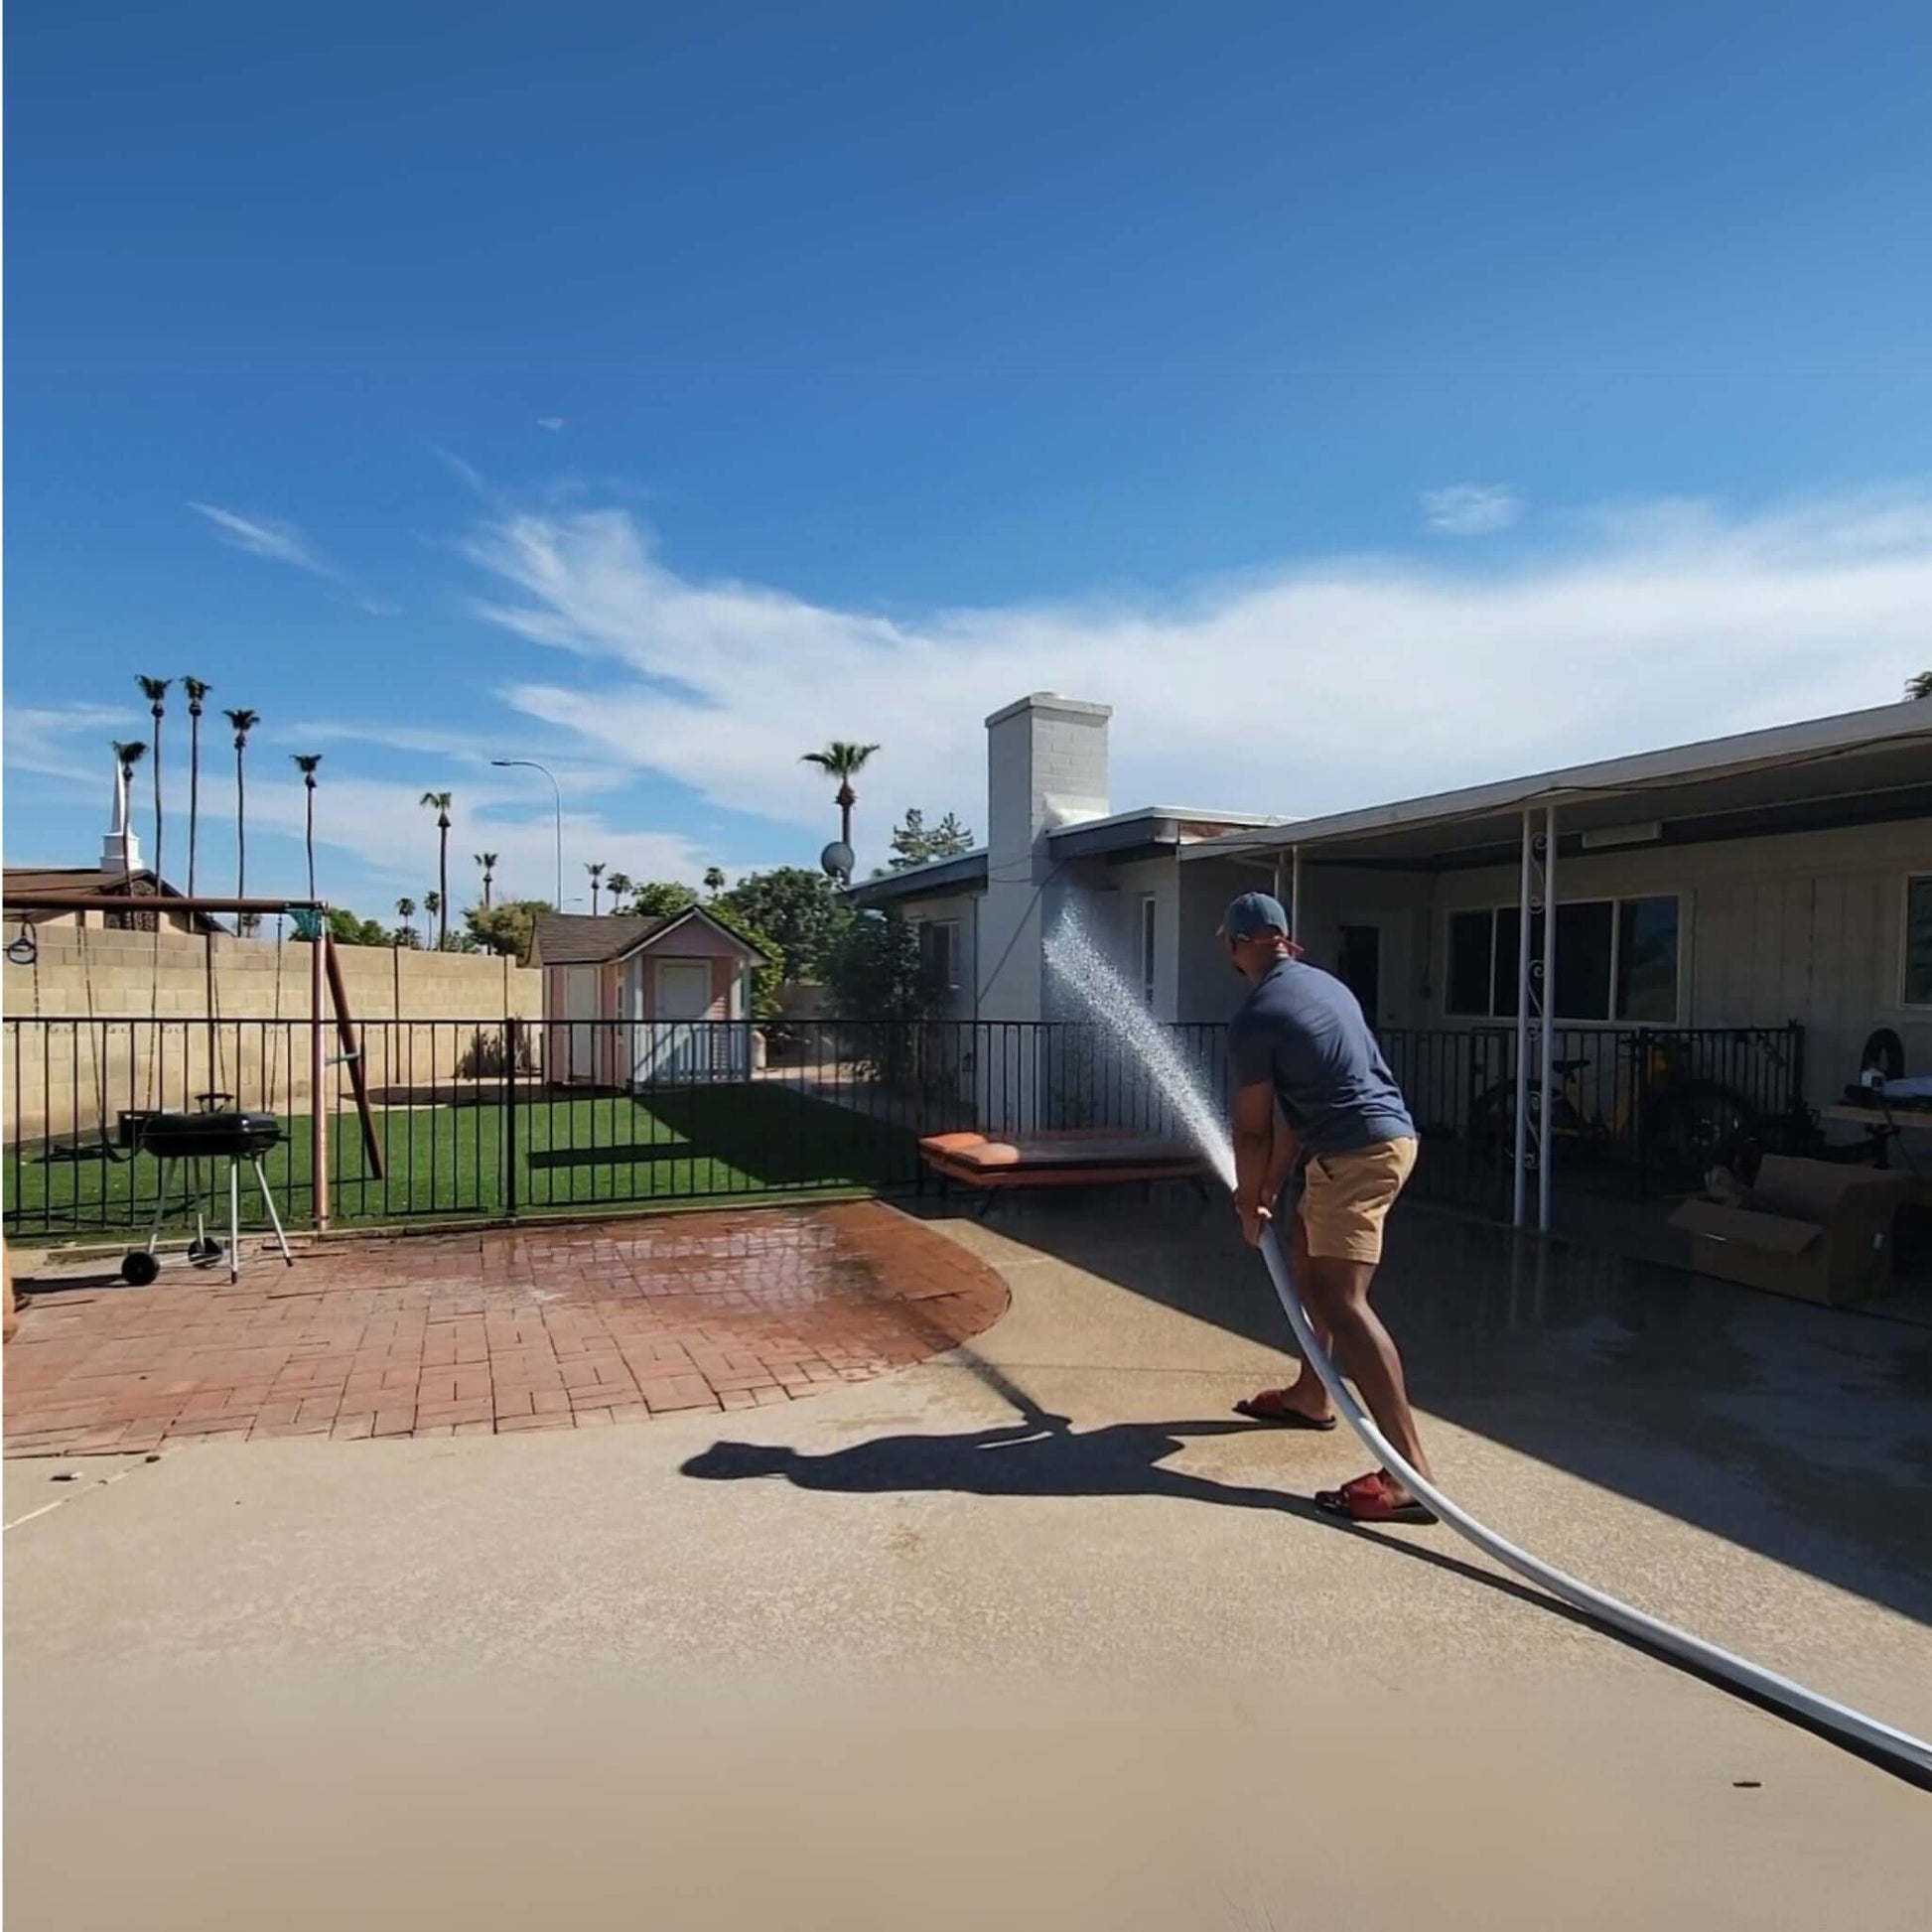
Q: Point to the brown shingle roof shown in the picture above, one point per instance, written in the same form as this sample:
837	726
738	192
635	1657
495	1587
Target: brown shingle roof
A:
90	879
579	939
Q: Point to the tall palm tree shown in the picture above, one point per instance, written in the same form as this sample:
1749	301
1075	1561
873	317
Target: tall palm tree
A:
196	690
620	885
843	762
128	756
432	905
488	860
596	871
1919	685
406	912
155	690
439	800
306	762
243	722
714	879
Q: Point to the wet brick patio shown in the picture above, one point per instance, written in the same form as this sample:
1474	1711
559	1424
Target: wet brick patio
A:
527	1328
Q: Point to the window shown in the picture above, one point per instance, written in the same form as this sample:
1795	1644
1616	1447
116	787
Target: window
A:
939	951
1916	987
1146	947
1616	959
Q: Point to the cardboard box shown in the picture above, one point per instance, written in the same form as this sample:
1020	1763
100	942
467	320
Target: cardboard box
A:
1817	1229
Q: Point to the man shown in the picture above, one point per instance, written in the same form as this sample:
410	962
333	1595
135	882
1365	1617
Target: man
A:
1313	1095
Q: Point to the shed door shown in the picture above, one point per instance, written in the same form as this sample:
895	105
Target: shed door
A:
580	1006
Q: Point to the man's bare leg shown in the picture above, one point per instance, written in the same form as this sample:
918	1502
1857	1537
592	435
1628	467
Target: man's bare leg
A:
1336	1295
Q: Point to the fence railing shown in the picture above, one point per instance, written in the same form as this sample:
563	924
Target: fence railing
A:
468	1120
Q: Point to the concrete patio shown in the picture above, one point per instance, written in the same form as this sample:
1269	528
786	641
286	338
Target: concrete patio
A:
1032	1633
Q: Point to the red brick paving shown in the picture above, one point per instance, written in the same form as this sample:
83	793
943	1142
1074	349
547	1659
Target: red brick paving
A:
505	1331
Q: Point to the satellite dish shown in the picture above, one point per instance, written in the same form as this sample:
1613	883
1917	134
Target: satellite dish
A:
837	860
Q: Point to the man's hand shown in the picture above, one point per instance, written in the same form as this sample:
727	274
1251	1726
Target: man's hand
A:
1253	1221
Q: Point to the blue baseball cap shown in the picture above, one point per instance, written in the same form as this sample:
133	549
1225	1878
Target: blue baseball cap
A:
1252	914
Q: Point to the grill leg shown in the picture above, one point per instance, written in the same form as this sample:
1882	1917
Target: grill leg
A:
160	1205
234	1220
274	1219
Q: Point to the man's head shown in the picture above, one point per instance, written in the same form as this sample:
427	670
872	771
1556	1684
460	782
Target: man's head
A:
1256	931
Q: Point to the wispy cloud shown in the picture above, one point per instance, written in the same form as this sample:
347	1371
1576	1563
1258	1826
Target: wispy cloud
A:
1373	677
1470	509
550	422
376	607
68	741
281	542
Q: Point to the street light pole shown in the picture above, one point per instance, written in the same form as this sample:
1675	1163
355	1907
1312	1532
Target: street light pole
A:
533	765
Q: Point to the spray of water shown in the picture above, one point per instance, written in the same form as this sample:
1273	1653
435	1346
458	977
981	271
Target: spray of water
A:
1081	967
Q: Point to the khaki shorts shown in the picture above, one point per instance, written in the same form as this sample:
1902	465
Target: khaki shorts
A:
1346	1199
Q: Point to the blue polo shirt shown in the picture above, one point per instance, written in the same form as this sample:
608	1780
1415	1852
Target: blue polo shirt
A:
1301	1031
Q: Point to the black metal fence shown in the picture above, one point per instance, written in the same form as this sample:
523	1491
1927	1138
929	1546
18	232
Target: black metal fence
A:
479	1119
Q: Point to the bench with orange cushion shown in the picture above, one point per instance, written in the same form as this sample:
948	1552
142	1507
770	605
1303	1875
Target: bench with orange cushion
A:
1062	1158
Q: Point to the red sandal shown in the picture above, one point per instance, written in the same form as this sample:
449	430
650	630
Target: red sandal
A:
1373	1498
1270	1406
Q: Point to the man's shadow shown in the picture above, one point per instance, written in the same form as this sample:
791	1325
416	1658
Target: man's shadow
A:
1042	1455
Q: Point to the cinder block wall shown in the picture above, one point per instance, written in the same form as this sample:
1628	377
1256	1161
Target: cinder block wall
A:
125	1022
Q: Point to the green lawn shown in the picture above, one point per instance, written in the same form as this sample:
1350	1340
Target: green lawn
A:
679	1144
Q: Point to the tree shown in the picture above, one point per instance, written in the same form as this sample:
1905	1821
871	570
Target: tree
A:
196	691
347	930
714	879
843	762
619	885
1919	686
243	722
127	754
506	929
440	801
432	906
875	973
306	762
801	911
486	860
155	690
596	871
914	845
658	899
406	912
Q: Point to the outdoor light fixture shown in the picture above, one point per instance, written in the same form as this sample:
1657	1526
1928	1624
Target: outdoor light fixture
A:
533	765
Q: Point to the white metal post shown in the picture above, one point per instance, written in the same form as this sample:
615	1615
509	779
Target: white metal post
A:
1294	894
1519	1192
1544	1114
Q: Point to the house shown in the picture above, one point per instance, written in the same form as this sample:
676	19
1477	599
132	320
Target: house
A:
1734	917
638	1002
120	874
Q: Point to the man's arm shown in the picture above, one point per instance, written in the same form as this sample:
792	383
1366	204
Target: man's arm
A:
1283	1162
1254	1157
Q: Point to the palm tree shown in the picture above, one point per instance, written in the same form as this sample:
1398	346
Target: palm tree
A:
439	800
432	905
306	762
844	763
714	879
620	885
128	756
1919	686
196	690
155	690
596	871
406	912
243	722
486	860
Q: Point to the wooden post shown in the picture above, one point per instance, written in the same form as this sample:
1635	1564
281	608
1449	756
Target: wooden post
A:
318	1080
351	1046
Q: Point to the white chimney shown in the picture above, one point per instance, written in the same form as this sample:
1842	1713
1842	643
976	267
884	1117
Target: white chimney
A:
1046	766
120	850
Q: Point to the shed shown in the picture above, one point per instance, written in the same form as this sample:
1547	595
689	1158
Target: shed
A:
633	1001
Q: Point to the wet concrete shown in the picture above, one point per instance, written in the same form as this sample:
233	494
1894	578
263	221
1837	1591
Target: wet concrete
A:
1799	1432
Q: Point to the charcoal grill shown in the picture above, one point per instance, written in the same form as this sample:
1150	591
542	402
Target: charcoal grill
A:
198	1143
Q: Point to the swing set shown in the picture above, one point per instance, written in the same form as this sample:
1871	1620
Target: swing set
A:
217	1129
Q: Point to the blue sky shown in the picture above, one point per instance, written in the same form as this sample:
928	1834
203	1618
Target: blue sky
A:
1444	390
